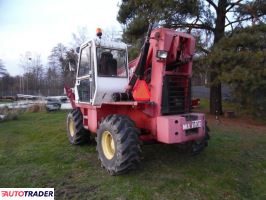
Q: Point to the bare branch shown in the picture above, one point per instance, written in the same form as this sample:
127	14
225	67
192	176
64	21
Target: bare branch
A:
241	20
237	21
206	51
194	22
195	26
212	3
232	28
233	4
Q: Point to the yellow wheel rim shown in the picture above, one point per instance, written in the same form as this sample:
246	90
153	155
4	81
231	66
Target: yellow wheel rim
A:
71	127
108	145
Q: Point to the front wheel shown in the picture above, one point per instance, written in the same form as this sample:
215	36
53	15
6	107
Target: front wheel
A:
75	130
118	144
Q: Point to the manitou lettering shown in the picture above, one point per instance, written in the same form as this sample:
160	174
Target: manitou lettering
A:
192	124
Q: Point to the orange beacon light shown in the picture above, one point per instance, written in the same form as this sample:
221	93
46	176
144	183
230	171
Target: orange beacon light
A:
99	32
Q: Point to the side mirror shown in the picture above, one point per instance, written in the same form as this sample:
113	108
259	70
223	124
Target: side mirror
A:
77	50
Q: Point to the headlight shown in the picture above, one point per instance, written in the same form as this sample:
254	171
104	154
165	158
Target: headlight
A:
161	54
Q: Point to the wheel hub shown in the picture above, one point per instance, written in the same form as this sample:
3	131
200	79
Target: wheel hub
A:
108	145
71	127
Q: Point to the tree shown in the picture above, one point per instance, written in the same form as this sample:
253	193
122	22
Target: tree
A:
33	72
2	68
36	71
25	62
241	58
8	85
63	61
55	69
112	34
79	37
211	17
57	55
52	82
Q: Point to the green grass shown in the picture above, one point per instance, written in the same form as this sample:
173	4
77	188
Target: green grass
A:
34	152
204	105
5	101
240	113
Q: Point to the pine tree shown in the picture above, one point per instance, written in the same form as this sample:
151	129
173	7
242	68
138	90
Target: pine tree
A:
212	17
2	68
241	58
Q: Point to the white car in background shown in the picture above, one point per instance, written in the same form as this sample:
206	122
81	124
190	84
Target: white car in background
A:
53	104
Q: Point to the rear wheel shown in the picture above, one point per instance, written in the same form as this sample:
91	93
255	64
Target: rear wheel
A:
197	146
75	130
118	144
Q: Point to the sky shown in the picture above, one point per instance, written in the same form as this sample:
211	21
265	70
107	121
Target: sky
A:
38	25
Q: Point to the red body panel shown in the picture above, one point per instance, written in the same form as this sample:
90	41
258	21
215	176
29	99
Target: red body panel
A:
170	129
70	94
134	111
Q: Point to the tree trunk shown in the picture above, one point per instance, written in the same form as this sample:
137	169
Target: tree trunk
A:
216	89
215	96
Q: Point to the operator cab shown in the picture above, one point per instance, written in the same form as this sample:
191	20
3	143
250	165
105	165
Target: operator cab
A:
102	71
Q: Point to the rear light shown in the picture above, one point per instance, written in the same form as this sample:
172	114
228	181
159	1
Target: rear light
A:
161	54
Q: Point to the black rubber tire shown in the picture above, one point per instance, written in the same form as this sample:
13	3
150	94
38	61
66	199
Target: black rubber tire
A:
199	145
127	146
195	147
81	135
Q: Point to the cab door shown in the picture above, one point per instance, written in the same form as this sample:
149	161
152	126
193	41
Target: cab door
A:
85	85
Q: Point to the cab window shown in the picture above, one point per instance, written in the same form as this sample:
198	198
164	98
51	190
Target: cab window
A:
111	62
85	62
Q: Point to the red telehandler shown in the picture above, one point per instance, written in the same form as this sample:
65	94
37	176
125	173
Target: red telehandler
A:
147	99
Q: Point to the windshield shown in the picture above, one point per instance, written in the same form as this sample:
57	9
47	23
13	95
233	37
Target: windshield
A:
111	62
